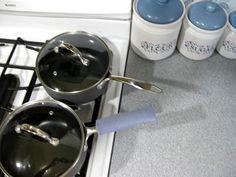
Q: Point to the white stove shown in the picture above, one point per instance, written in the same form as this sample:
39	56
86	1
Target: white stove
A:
38	21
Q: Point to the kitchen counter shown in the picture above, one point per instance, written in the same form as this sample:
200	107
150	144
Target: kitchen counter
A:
195	131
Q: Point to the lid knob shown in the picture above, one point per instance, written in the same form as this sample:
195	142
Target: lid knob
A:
211	7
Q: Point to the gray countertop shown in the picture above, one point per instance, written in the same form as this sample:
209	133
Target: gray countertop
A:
195	131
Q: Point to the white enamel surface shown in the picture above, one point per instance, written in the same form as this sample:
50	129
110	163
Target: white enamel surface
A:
39	93
195	43
70	8
154	41
227	44
5	52
23	56
39	29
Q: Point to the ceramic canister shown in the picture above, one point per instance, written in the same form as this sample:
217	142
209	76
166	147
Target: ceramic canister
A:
227	44
155	27
203	25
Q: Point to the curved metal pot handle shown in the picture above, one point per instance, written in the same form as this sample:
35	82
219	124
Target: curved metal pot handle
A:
37	132
73	49
89	131
132	82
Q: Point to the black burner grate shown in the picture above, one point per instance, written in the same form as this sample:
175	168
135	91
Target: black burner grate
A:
11	86
6	65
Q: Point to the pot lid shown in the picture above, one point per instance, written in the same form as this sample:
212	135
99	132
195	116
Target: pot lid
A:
160	11
27	154
207	15
232	19
63	71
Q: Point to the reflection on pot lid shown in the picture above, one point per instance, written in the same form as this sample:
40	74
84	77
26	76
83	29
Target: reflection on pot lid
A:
232	18
207	15
34	156
160	11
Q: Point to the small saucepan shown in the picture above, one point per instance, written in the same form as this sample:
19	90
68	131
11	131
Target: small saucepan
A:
75	67
46	138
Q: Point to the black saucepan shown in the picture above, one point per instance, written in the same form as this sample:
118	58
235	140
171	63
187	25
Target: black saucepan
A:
46	138
75	67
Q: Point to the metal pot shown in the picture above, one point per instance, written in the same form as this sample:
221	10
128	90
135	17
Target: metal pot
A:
75	67
47	138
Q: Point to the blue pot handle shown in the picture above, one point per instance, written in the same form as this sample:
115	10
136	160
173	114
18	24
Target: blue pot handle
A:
125	120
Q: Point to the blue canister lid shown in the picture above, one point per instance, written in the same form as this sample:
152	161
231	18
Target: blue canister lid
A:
232	19
207	15
160	11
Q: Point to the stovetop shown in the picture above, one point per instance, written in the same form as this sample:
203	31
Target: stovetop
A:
19	85
40	21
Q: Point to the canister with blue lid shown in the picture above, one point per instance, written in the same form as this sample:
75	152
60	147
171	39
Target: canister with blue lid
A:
155	27
227	44
203	25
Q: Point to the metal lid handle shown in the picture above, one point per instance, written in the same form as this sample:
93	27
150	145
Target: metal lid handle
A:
141	85
73	49
37	132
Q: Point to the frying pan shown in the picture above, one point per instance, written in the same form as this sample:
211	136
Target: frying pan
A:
46	138
75	67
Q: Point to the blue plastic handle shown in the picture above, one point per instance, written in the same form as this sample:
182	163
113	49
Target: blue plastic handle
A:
125	120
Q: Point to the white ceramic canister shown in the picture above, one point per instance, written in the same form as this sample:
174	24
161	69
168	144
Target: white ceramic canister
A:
155	27
203	25
227	44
